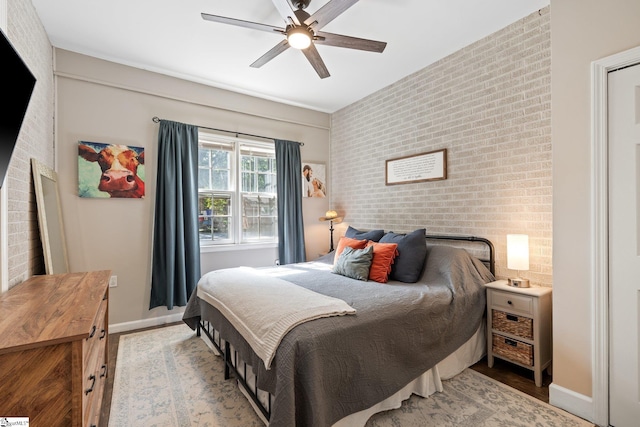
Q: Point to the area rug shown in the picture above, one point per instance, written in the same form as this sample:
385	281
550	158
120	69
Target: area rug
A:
168	377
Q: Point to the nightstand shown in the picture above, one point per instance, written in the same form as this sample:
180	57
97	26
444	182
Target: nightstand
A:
519	326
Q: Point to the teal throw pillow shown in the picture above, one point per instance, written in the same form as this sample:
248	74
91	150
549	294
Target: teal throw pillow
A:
354	263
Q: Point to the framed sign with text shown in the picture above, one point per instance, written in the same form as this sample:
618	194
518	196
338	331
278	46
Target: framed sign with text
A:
431	166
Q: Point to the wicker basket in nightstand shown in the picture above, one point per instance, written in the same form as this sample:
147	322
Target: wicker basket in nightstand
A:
510	323
511	349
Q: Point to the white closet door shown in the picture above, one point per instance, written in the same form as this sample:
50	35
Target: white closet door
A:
624	246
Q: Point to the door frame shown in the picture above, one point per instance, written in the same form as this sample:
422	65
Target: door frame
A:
599	233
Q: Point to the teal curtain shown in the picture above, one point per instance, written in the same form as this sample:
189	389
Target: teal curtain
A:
176	243
291	247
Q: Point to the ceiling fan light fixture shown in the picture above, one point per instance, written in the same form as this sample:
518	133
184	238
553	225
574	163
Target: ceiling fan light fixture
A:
299	37
302	32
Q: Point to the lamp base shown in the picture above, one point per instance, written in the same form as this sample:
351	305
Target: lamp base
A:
519	283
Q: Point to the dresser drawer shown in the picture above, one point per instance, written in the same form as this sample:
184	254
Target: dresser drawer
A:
510	301
514	350
512	324
94	368
94	398
98	334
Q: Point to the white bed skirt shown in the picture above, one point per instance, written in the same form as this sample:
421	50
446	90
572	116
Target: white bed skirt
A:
428	383
425	385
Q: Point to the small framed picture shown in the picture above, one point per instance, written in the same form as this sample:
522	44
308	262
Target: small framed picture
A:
314	179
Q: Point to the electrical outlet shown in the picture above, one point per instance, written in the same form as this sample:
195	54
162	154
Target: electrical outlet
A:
113	281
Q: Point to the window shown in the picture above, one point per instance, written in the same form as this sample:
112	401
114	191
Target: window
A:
237	200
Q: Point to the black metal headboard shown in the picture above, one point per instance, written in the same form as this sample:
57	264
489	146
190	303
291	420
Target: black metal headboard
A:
490	263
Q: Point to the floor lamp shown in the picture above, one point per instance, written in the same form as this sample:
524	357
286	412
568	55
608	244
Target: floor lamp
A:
332	217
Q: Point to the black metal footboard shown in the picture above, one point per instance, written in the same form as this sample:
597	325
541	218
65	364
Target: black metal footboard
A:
231	361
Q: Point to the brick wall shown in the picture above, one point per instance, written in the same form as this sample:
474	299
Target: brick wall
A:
26	33
489	105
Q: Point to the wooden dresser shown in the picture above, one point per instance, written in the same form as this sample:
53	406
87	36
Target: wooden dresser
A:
53	349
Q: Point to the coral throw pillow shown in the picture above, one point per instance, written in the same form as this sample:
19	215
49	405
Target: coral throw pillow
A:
347	241
383	256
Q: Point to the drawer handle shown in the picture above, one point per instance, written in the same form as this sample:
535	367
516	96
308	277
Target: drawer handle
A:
512	317
93	332
512	343
509	302
103	334
104	371
93	383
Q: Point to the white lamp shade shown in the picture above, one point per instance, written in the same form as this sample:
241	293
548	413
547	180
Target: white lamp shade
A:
518	252
331	214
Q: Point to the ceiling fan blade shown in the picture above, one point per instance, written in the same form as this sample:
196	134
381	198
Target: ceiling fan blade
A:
275	51
349	42
285	10
329	12
316	61
241	23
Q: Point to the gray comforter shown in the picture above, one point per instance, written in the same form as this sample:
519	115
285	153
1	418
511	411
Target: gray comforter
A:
326	369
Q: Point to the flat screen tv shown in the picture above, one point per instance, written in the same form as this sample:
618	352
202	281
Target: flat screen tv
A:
19	83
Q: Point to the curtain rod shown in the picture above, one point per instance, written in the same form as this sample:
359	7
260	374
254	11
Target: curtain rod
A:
156	119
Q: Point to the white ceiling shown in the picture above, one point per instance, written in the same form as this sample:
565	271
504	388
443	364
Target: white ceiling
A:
170	37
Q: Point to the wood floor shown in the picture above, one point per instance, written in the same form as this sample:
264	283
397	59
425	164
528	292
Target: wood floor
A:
515	376
504	372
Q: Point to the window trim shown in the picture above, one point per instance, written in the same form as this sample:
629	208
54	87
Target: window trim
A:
229	247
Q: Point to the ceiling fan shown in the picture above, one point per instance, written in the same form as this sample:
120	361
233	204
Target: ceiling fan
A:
302	31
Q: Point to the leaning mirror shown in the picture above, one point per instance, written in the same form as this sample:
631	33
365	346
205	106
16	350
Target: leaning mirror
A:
50	218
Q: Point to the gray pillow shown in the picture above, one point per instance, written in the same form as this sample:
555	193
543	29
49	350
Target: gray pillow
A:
373	235
412	252
354	263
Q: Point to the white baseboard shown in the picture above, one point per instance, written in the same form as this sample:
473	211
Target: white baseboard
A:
144	323
570	401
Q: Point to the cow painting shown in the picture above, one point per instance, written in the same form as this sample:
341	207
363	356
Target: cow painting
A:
106	170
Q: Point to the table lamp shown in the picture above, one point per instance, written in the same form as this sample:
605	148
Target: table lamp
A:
331	216
518	258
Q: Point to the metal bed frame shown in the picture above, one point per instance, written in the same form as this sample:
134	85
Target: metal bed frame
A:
490	262
230	355
230	358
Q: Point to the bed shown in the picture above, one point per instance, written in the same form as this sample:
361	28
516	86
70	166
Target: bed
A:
338	370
